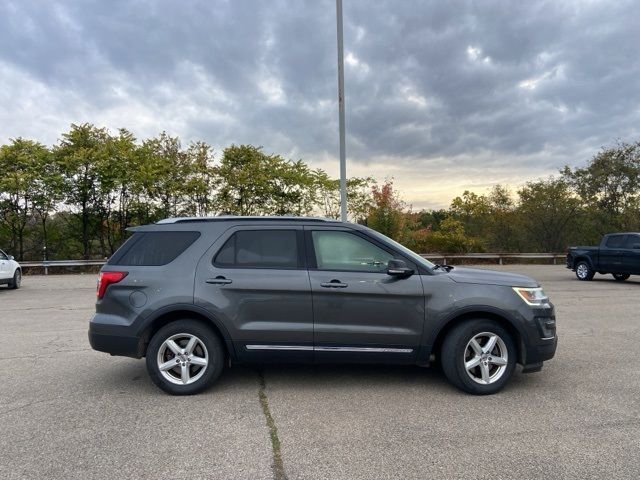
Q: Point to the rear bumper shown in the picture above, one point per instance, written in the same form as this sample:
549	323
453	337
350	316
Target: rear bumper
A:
114	340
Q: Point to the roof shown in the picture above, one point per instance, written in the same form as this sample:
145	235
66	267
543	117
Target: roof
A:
234	218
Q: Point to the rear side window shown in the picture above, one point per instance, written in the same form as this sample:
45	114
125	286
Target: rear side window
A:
615	241
153	248
259	249
632	240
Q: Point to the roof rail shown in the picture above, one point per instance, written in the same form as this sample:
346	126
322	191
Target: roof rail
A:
223	218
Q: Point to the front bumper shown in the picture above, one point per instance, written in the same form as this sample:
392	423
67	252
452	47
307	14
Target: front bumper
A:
543	339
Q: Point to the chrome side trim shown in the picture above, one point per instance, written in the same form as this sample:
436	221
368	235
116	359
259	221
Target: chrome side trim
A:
329	349
279	347
363	349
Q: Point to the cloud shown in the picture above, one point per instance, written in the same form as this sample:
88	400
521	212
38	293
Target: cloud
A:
453	94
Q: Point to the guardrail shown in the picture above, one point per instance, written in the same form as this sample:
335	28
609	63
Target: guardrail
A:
46	265
500	257
441	257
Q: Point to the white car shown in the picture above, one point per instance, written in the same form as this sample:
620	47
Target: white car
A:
10	271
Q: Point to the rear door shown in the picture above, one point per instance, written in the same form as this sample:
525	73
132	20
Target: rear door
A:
254	280
631	255
611	254
360	312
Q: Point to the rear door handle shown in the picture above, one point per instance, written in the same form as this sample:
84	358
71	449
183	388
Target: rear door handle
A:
219	280
333	284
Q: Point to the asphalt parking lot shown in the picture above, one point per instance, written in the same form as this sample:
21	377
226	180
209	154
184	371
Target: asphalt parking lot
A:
69	412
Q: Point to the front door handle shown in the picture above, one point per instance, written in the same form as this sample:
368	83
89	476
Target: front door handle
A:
333	284
219	280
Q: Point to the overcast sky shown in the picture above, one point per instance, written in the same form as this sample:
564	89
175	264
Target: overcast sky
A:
442	96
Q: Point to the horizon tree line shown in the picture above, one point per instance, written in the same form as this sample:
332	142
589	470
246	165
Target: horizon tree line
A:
77	198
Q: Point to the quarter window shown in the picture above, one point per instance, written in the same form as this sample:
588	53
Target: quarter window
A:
336	250
153	248
260	249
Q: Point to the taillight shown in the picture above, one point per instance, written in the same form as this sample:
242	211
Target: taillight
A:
107	278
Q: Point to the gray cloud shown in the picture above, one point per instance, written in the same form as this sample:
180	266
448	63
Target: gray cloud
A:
468	93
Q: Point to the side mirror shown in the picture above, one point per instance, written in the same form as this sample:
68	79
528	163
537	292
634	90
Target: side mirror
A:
10	257
398	268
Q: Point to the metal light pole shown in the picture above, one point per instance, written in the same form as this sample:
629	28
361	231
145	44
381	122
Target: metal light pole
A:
343	156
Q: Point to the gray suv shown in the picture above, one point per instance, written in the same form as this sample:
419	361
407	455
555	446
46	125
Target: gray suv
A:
191	294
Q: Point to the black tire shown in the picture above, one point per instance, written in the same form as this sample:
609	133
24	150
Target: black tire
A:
454	354
584	272
620	277
16	281
214	350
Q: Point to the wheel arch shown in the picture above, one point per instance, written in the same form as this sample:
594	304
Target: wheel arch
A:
581	258
502	318
172	313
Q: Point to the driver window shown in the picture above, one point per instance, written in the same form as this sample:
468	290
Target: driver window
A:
337	250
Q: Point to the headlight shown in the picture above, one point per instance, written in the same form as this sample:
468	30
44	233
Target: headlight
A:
532	296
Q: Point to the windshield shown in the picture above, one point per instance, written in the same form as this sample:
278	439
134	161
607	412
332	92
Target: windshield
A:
409	253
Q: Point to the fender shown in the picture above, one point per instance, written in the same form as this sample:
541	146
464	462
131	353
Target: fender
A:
429	341
188	307
582	257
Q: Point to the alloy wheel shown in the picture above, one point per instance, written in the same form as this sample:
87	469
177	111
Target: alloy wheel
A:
486	358
182	359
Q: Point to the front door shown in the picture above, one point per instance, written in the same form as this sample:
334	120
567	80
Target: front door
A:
254	280
360	312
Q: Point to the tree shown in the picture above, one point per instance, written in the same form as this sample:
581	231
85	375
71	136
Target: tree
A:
502	221
387	212
20	162
47	194
451	238
327	191
79	155
549	212
250	182
609	186
473	211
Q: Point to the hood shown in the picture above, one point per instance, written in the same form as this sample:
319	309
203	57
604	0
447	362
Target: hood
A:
490	277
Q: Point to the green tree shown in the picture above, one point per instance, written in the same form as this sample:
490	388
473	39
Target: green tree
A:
550	213
609	186
80	154
20	164
327	192
250	182
474	211
502	223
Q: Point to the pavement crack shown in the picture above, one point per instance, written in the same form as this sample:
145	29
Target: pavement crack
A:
278	465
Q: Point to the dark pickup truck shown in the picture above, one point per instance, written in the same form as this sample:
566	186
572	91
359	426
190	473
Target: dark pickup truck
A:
618	254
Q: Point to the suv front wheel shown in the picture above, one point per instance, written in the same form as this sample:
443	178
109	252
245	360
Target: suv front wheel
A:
184	357
478	356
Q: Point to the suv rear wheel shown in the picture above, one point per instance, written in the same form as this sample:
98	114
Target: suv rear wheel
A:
184	357
478	356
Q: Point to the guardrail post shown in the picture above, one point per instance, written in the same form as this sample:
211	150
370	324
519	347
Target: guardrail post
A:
500	260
